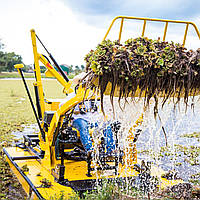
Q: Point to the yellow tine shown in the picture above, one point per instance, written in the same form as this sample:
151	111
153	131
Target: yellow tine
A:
186	30
143	29
120	31
196	29
110	27
165	31
155	20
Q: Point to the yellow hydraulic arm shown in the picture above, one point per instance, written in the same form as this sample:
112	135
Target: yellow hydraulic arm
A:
38	83
54	73
39	57
40	101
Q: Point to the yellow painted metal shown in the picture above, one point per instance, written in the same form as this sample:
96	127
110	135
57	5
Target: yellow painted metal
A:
54	73
165	31
18	66
44	106
37	172
81	94
155	20
52	104
75	170
130	152
185	35
121	27
38	57
143	29
48	74
37	72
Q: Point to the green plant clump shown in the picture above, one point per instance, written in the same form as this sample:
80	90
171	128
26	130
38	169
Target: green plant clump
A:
156	68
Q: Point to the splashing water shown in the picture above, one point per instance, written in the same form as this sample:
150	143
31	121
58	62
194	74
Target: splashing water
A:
173	121
151	144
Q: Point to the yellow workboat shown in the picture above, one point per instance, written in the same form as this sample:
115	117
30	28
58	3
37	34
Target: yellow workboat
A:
60	158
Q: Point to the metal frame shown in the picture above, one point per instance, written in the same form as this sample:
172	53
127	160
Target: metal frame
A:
32	187
48	145
166	21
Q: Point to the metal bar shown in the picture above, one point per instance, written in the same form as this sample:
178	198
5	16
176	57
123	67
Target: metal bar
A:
24	176
33	151
109	28
196	29
143	29
165	31
42	44
37	72
31	139
54	61
31	135
121	26
57	130
51	69
62	158
185	35
32	105
153	19
59	68
38	102
25	158
37	98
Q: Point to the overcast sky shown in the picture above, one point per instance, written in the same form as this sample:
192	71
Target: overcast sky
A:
70	28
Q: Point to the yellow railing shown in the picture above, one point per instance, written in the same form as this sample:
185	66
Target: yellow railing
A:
155	20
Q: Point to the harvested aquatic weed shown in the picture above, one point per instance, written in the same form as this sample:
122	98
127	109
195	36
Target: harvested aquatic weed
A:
45	183
25	168
144	67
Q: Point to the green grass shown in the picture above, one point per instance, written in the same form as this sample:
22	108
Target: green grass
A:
15	110
16	75
26	75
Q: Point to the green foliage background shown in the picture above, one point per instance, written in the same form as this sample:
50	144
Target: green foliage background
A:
8	59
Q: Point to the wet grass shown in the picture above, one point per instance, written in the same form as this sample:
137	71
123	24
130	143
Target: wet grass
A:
15	111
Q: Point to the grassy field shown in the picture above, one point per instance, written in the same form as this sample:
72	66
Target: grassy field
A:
26	75
15	110
16	75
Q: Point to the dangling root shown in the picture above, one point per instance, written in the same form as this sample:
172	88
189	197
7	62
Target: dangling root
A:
152	67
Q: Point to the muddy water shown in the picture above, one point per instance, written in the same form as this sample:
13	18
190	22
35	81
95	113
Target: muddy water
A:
28	129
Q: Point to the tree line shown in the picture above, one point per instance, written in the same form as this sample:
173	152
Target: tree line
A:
9	59
71	69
